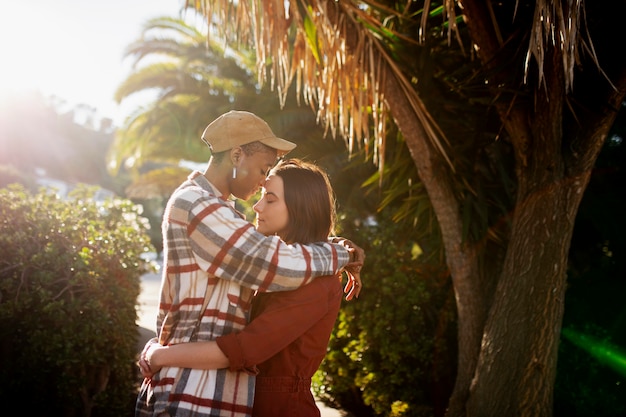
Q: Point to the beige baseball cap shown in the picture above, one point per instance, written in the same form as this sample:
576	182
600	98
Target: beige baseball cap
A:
237	128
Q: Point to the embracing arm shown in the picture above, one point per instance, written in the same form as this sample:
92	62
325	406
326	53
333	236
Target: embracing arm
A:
197	355
283	320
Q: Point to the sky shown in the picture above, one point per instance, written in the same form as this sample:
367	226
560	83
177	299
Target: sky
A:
73	49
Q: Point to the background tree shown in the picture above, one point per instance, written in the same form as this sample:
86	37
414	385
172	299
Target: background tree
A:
505	180
193	83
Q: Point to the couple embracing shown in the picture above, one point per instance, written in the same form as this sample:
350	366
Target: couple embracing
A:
245	313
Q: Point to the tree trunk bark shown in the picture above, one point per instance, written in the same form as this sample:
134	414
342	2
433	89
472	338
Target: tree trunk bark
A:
517	364
461	257
511	371
516	368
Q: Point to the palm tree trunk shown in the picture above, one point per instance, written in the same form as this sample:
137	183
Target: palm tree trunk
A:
517	364
461	258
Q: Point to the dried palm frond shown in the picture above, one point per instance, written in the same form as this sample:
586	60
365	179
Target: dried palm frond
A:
558	23
332	52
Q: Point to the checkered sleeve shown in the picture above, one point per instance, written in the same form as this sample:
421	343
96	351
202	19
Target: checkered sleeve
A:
229	247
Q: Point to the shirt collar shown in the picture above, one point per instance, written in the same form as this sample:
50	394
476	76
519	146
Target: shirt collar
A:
199	178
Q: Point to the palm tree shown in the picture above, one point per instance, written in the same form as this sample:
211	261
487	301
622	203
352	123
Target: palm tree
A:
194	83
543	73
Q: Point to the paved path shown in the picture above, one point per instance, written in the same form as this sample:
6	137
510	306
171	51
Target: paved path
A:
148	302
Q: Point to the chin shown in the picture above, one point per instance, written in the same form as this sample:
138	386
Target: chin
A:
265	232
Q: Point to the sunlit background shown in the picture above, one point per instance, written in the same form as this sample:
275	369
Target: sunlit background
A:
72	49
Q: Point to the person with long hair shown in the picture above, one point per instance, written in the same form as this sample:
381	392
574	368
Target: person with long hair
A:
286	340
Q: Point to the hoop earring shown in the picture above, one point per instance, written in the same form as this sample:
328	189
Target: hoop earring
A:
234	172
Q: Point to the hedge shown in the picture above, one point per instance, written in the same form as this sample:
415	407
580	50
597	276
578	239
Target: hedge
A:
69	281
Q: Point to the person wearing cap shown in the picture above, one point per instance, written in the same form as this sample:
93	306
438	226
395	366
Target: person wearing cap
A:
214	262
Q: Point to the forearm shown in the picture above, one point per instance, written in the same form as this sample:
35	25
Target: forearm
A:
196	355
280	266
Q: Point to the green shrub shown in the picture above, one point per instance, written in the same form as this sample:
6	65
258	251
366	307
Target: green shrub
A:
392	352
69	280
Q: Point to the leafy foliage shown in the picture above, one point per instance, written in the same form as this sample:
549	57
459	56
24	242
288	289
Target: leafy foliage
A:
69	281
194	82
392	350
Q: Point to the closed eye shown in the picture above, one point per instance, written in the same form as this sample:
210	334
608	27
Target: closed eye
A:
270	197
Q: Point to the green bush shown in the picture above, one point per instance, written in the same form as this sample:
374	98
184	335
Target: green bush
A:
69	281
392	352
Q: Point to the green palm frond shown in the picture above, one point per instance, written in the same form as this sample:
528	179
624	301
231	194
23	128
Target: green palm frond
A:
193	81
166	130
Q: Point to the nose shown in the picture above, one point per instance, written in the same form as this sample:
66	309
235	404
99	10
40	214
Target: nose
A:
257	206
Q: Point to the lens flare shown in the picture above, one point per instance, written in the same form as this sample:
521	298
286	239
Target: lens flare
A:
607	354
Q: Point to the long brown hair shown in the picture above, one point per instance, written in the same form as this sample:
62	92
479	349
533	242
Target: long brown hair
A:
309	199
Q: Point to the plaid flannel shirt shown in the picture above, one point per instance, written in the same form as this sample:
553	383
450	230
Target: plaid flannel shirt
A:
211	251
